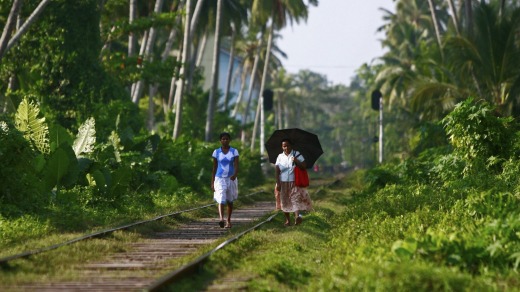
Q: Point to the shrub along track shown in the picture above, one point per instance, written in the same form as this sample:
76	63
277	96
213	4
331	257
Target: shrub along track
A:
145	264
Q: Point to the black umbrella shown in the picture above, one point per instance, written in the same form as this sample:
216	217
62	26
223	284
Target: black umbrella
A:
305	142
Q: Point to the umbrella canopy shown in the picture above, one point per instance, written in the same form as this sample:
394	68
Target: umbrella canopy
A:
305	142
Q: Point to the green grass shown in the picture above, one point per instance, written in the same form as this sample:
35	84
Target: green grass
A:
400	238
407	237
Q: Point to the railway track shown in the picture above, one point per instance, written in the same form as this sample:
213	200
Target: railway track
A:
153	263
147	264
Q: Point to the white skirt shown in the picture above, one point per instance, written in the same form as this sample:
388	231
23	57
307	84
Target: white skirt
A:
226	190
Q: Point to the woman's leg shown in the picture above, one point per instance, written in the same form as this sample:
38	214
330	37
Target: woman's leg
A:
297	219
229	211
221	215
287	218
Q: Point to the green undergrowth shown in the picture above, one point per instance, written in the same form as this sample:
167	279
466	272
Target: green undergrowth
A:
408	237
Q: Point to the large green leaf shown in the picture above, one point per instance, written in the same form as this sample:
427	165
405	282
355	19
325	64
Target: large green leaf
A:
57	167
58	136
34	128
86	138
71	176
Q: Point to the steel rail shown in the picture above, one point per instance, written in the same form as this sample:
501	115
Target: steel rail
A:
196	264
5	260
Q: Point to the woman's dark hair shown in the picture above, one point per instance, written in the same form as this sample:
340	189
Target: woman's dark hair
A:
223	134
287	140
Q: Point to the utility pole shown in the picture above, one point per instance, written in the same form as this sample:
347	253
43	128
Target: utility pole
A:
377	104
381	129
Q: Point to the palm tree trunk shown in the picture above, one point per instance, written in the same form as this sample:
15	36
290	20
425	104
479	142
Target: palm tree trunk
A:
279	111
502	8
131	35
106	45
468	8
195	16
454	16
257	117
166	52
202	47
251	86
11	84
167	105
173	82
435	25
193	25
230	67
148	54
240	94
213	93
30	20
261	93
135	86
9	26
185	57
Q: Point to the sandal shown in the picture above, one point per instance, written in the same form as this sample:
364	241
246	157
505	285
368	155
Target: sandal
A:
228	225
298	221
221	224
287	224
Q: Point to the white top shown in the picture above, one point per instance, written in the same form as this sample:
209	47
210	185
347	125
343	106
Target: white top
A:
284	162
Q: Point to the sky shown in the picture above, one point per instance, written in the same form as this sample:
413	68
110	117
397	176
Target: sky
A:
338	37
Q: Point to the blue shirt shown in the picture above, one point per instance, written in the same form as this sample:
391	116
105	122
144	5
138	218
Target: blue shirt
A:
225	162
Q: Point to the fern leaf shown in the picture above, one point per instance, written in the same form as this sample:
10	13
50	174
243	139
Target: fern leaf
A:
86	138
33	128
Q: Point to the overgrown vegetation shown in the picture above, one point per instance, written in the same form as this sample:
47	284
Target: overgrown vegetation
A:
441	214
55	182
431	223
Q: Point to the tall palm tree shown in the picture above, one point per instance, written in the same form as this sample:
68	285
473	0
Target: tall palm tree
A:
214	74
182	83
408	38
218	16
148	47
279	12
230	65
248	49
488	60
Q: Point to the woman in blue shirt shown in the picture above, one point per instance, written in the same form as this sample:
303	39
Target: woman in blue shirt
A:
224	182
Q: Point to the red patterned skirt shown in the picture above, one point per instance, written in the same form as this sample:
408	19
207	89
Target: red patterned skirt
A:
292	198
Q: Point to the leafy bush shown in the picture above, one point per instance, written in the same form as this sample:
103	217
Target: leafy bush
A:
19	180
379	177
478	134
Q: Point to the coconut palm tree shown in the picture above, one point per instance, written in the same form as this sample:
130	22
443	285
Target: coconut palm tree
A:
487	61
233	13
182	83
278	12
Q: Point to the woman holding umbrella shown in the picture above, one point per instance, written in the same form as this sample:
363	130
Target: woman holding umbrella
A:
293	199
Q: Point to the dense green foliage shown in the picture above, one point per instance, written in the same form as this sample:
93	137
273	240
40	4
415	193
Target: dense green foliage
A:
442	212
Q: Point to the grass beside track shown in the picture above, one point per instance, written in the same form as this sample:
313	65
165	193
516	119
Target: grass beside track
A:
345	244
